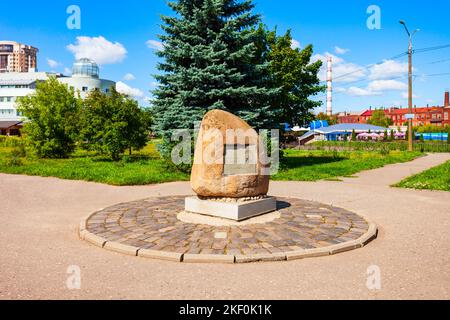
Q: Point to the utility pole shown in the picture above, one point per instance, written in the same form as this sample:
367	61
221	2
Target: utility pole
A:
410	86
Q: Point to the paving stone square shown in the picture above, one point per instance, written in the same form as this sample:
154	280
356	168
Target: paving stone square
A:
153	223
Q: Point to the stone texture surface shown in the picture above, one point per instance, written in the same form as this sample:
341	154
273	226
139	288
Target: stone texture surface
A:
210	177
302	229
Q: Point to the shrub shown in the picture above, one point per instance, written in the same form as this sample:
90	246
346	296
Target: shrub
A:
384	150
113	123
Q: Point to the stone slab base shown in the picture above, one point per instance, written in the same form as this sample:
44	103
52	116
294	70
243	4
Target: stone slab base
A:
237	211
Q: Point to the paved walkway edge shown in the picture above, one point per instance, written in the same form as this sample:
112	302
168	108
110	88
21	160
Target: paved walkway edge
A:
98	241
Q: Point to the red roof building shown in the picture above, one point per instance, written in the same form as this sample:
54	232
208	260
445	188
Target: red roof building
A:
438	116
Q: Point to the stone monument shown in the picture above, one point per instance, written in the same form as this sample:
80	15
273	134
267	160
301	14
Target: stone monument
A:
230	174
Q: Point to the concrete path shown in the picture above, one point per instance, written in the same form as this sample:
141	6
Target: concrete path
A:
39	219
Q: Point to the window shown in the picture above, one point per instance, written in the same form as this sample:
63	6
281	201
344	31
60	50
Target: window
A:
85	89
446	116
6	111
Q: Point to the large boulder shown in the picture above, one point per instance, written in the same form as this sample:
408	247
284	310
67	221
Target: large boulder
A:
229	159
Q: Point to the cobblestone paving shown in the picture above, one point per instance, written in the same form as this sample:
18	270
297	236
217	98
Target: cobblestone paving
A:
153	224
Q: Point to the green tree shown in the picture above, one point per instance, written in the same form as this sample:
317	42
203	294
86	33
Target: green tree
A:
292	71
380	119
422	139
323	116
354	136
210	61
112	123
53	119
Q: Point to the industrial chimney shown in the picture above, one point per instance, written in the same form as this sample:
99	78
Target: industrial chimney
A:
330	87
446	99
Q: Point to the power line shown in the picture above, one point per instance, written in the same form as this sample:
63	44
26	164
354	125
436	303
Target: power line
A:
431	48
369	66
438	61
436	74
422	50
415	76
395	58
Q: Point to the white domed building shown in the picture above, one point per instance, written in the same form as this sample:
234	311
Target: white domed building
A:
86	77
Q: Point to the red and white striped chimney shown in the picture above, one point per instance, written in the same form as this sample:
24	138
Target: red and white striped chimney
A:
330	86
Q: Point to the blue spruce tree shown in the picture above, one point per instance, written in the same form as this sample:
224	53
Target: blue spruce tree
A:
210	61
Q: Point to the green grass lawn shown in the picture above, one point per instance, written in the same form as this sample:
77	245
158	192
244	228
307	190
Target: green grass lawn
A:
146	167
327	165
434	179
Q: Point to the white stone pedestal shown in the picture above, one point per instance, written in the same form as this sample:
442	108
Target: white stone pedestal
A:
236	211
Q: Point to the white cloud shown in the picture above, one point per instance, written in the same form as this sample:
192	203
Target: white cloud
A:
53	63
340	90
348	72
125	89
339	50
129	77
360	92
323	57
375	88
98	49
405	95
155	45
295	44
343	71
387	70
385	85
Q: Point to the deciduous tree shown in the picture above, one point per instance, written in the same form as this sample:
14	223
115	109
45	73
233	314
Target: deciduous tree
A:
52	118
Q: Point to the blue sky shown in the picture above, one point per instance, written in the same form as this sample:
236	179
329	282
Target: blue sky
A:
121	32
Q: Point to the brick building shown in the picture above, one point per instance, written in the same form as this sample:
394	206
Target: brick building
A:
430	115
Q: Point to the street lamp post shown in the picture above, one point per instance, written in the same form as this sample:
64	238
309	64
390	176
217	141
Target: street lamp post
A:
410	89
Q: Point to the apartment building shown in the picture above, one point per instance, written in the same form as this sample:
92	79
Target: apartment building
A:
17	57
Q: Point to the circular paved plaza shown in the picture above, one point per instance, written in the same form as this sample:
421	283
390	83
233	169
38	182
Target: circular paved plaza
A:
301	229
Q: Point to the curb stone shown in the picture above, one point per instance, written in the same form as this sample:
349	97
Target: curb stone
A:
208	258
310	253
344	247
371	235
261	258
160	255
121	248
95	240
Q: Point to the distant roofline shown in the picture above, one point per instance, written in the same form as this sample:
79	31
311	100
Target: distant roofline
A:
348	127
17	43
404	110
